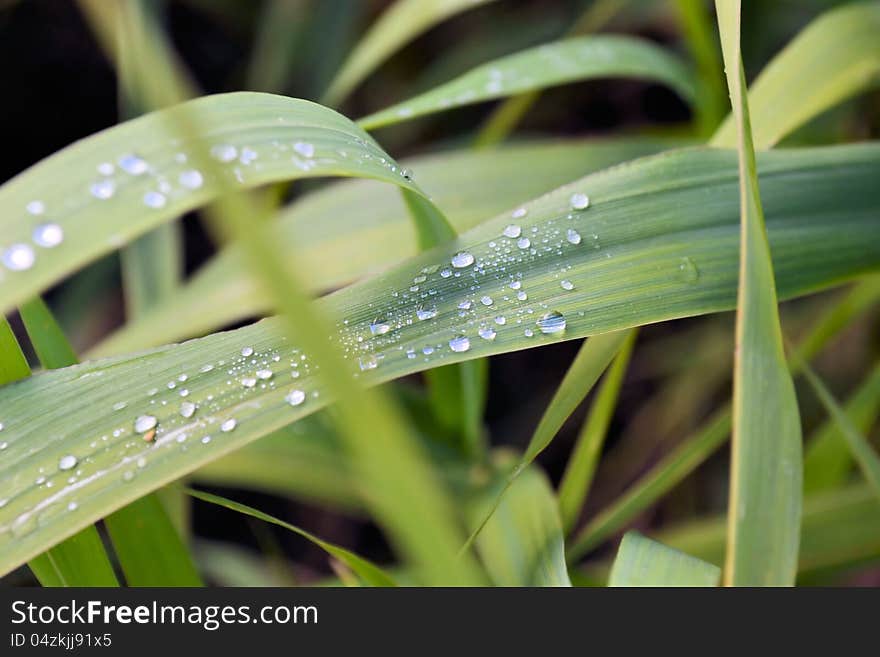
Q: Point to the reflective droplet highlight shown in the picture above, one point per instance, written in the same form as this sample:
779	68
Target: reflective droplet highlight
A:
552	322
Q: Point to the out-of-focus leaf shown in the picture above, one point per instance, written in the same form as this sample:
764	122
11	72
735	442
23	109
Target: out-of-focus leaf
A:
643	562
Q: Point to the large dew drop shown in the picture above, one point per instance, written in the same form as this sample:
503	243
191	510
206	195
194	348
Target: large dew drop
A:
144	423
462	259
18	257
579	201
573	236
295	397
228	425
552	322
133	164
512	231
67	462
191	179
187	409
460	343
48	235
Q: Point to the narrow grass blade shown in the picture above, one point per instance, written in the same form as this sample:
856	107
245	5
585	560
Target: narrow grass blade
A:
827	460
370	574
522	543
469	186
766	468
279	34
13	364
149	549
834	58
81	559
651	216
560	62
862	452
698	30
400	24
658	481
643	562
582	463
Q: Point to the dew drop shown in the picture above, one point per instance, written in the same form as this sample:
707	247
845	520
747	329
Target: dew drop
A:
304	148
106	169
512	231
523	242
514	285
144	423
248	381
552	322
295	397
35	207
206	440
519	213
228	425
573	236
224	152
379	327
187	409
133	164
566	284
487	333
445	273
248	155
154	200
67	462
462	259
688	270
247	351
368	362
528	333
501	320
191	179
467	304
579	201
521	295
19	257
426	313
460	343
486	300
72	506
48	235
103	189
428	350
264	374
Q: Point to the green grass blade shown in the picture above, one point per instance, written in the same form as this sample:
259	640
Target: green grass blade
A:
468	185
522	544
13	364
643	562
67	191
658	481
81	559
834	58
148	547
150	550
827	459
432	227
862	452
582	463
766	468
651	218
560	62
369	573
47	338
400	24
279	35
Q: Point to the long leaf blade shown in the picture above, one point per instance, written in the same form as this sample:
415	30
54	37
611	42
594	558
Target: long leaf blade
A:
643	562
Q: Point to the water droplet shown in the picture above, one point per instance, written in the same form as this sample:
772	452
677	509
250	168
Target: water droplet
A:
72	506
141	462
67	462
552	322
228	425
248	155
514	285
1	426
460	343
144	423
486	300
48	235
566	284
206	440
368	362
154	200
264	374
428	350
106	169
224	152
573	236
426	313
501	320
133	164
579	201
247	351
19	257
304	148
512	231
248	381
445	273
519	213
191	179
295	397
487	333
379	327
528	333
103	189
462	259
187	409
467	304
523	242
688	270
521	295
35	207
